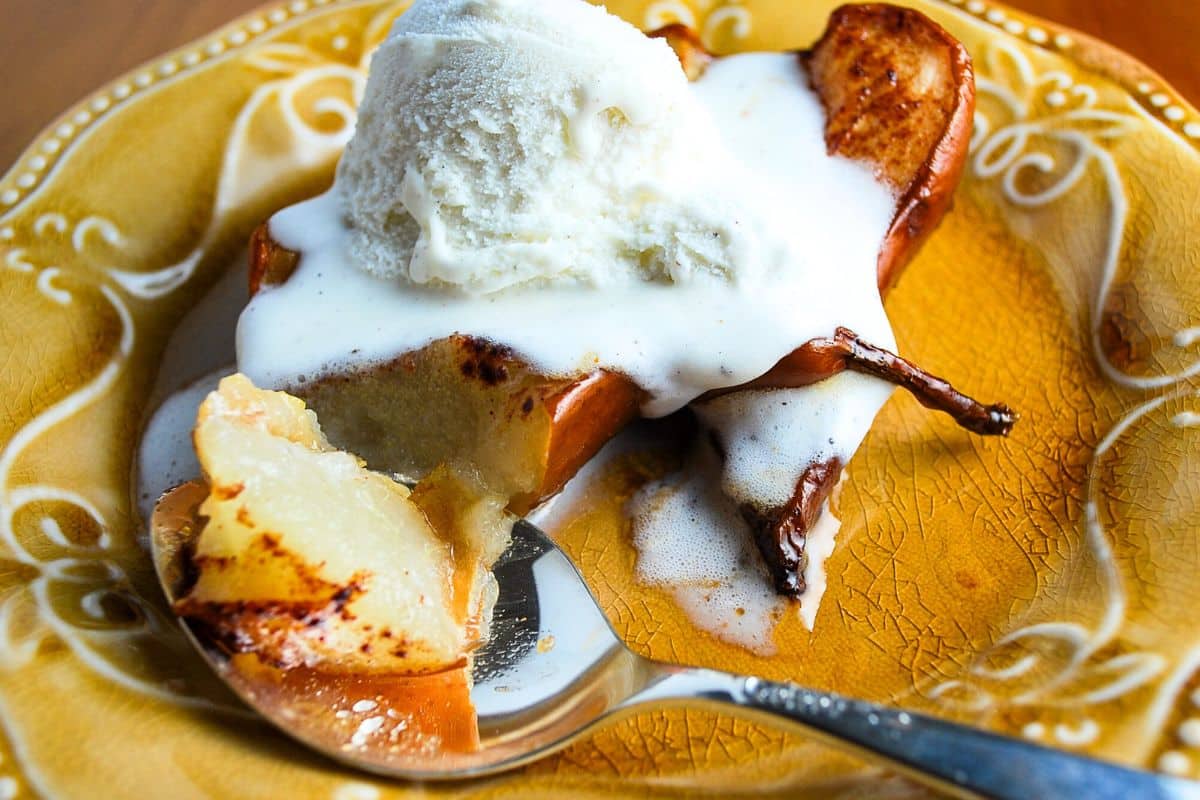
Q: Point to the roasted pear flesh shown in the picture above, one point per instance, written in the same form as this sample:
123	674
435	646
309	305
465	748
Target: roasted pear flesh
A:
305	558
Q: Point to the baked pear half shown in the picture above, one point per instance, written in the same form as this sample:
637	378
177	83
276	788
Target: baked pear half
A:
898	93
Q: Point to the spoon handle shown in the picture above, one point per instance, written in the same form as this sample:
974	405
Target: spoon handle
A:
958	759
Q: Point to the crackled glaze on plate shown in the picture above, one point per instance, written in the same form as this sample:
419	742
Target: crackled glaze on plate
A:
1042	586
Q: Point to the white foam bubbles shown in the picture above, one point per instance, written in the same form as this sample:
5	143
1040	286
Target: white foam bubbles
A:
692	540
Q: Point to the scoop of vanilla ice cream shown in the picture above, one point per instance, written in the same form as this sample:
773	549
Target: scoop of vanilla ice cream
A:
509	142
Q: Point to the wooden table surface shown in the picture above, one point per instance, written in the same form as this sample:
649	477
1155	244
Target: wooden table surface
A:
53	53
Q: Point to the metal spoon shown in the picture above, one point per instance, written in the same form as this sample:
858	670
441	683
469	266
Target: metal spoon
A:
532	699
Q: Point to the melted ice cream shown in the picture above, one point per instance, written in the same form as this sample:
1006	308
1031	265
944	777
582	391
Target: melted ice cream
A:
677	341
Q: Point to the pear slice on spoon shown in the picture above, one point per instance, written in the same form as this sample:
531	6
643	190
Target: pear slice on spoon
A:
552	669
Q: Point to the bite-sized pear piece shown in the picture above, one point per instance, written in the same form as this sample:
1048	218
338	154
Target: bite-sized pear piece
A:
307	558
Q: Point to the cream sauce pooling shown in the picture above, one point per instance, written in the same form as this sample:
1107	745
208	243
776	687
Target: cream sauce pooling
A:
692	542
676	341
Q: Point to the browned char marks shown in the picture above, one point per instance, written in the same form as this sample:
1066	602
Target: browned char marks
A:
484	360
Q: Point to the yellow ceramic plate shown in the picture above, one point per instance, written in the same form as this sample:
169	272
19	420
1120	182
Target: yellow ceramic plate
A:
1044	585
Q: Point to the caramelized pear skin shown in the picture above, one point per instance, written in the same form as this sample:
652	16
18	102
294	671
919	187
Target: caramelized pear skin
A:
899	96
692	54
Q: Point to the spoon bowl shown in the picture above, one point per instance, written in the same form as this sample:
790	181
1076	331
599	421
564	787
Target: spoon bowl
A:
553	668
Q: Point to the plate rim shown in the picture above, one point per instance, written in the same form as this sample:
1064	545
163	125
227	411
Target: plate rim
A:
28	174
